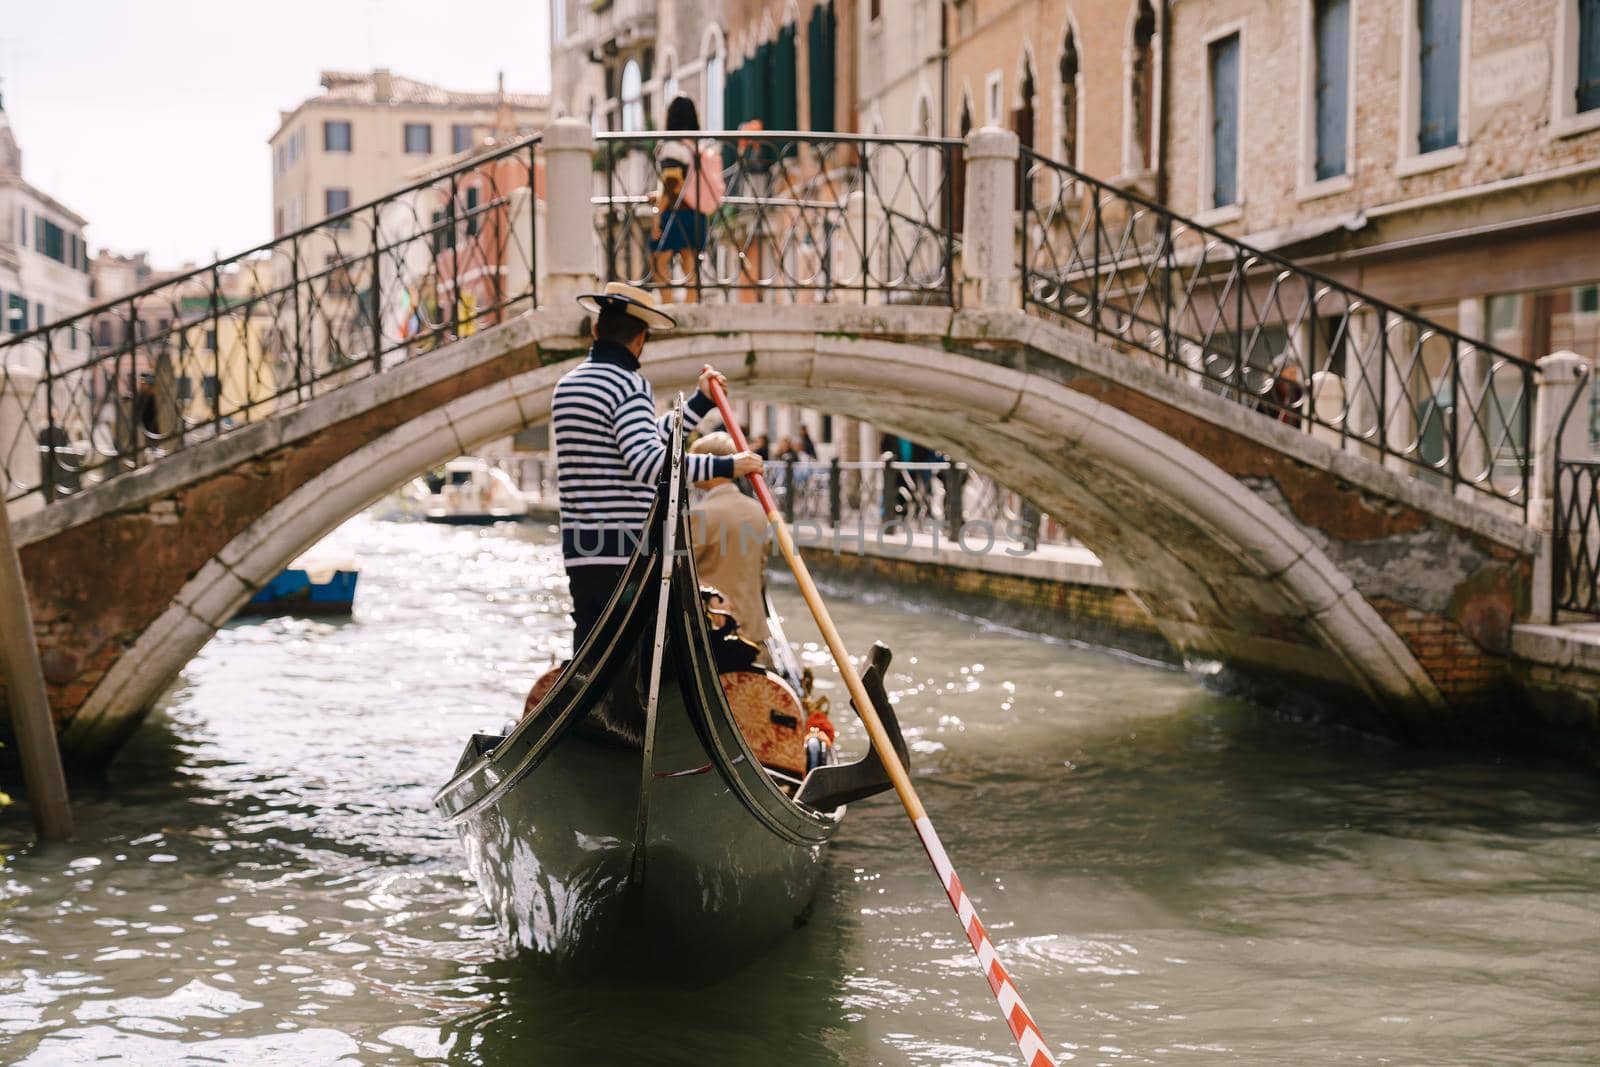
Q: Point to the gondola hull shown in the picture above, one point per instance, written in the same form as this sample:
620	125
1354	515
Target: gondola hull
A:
717	865
555	858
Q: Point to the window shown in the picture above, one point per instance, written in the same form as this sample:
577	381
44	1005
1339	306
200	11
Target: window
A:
632	98
1223	56
1438	74
333	202
1587	90
418	139
460	137
16	313
1069	101
208	385
103	333
993	94
472	210
826	433
185	386
1586	299
1022	118
821	62
211	340
50	239
1331	40
716	82
336	137
1142	90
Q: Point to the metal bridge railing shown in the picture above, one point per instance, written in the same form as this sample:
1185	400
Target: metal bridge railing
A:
1292	344
801	217
201	354
1575	523
950	498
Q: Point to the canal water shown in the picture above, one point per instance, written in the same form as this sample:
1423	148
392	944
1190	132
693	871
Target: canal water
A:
1172	876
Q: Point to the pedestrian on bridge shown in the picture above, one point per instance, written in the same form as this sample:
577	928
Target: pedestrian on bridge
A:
611	446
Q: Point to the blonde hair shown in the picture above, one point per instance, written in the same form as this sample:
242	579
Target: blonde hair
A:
714	444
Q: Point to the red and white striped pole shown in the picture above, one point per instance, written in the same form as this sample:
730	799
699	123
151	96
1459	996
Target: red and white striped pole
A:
1035	1051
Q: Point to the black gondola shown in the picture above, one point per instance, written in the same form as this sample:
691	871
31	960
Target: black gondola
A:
607	830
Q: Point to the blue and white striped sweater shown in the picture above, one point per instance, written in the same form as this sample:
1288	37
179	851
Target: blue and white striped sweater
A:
610	449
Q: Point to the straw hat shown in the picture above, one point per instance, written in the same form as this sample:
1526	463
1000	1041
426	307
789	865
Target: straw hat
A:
640	303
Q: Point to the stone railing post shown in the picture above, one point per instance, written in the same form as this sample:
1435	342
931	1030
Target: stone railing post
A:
567	265
1560	376
989	239
889	500
1032	520
835	496
955	487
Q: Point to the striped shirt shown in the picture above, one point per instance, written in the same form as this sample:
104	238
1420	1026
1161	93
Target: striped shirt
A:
610	451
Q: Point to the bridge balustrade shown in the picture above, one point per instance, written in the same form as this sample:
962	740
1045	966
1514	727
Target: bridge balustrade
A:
199	354
911	498
1285	341
802	218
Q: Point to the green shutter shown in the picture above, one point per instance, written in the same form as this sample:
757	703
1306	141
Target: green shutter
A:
820	66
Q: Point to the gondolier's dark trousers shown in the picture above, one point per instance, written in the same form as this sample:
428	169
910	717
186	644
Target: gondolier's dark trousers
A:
592	586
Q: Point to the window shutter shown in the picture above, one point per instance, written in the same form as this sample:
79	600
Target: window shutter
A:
1333	90
1588	88
1225	121
1439	108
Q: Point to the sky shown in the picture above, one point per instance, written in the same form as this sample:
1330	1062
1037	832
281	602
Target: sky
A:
150	118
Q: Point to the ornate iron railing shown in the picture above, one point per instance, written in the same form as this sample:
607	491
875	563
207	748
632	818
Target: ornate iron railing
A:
1575	525
197	355
1294	345
914	497
802	217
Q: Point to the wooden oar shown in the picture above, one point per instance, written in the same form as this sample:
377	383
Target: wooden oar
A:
1035	1051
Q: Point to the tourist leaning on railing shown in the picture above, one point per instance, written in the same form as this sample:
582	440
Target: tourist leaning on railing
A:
691	190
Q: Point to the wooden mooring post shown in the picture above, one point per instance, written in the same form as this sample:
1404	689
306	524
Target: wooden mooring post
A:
30	708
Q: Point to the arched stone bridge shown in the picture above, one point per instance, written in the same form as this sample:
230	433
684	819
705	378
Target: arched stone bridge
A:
1091	358
1251	544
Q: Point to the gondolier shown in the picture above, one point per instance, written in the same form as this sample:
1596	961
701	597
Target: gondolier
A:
610	447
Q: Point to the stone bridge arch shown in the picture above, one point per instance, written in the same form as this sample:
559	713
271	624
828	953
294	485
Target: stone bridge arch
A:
1250	543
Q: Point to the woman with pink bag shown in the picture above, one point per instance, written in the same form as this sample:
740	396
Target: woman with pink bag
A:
691	190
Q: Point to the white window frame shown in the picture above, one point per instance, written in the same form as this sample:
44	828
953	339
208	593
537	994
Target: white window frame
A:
994	98
1565	119
634	106
1409	161
1308	187
1069	26
713	45
1208	215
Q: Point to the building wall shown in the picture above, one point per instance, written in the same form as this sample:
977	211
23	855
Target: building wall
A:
1509	95
377	163
994	41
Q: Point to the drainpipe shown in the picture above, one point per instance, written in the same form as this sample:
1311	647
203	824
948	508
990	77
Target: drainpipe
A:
1166	95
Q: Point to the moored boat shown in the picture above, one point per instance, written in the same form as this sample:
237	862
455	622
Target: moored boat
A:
636	817
468	492
307	587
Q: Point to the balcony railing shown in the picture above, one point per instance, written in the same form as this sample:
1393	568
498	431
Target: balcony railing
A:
800	217
1287	342
202	354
